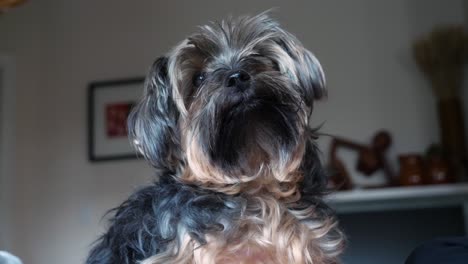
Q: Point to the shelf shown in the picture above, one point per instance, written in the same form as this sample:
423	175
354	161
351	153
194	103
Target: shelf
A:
427	191
415	197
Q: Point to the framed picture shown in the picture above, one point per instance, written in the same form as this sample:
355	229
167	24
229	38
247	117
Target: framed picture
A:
109	104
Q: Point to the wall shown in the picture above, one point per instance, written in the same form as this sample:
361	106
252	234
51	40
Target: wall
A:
7	141
59	46
466	12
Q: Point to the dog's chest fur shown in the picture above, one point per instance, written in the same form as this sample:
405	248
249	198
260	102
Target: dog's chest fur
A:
267	233
216	228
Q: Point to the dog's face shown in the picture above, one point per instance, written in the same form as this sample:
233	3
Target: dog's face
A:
228	103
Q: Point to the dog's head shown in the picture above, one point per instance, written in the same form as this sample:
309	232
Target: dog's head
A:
228	103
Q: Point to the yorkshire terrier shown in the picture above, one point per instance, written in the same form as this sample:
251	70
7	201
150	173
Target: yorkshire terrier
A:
224	121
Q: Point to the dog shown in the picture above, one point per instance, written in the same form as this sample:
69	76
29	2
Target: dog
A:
224	123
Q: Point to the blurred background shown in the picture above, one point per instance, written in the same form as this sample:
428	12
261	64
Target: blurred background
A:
54	190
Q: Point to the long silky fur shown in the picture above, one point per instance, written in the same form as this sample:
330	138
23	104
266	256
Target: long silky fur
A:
155	220
151	220
239	176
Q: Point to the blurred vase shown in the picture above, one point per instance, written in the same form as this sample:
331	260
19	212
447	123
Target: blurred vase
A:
452	132
411	169
438	171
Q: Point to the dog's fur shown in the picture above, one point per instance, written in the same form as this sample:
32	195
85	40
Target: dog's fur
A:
224	121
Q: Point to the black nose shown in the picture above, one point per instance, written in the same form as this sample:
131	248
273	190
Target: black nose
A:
239	79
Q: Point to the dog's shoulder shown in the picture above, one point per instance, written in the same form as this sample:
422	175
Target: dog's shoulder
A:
129	236
155	217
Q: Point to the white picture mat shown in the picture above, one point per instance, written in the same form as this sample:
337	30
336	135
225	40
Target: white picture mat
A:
125	93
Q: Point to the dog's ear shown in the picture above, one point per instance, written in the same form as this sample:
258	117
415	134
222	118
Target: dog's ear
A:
152	124
304	68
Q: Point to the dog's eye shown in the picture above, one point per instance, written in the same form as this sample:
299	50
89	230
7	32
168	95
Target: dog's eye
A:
198	79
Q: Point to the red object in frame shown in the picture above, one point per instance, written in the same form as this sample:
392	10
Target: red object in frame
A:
116	119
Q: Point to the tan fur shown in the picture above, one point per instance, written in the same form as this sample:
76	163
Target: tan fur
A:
274	236
270	231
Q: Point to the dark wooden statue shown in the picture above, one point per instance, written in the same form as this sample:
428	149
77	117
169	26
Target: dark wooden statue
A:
371	158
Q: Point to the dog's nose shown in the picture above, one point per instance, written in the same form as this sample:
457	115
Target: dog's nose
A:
239	79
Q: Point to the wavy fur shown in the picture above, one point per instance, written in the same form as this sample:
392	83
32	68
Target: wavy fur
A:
240	179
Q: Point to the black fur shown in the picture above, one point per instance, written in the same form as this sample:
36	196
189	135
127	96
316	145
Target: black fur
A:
284	83
263	127
157	115
148	221
138	230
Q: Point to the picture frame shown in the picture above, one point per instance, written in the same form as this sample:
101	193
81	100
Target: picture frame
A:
109	103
